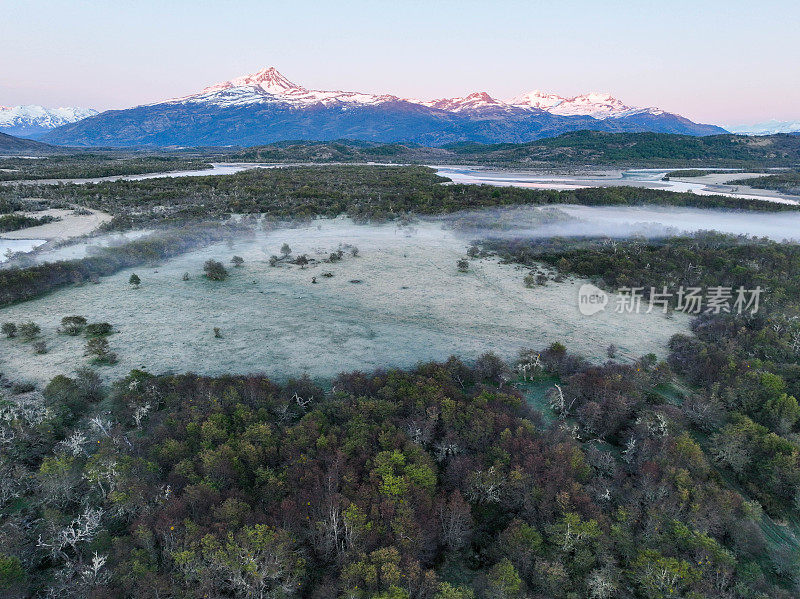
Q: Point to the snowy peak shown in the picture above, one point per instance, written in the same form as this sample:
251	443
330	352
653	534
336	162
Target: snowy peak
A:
31	119
536	99
595	104
269	80
770	127
269	86
472	102
598	105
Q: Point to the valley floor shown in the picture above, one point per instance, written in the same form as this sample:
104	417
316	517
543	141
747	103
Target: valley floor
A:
400	301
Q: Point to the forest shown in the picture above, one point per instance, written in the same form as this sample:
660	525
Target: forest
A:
14	222
577	148
544	477
91	164
744	367
440	482
360	192
785	182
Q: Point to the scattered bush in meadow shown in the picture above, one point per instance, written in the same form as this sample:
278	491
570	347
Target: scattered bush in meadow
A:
72	325
28	331
99	329
98	348
215	271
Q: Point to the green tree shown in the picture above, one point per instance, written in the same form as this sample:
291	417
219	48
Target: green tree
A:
134	281
449	591
11	572
503	581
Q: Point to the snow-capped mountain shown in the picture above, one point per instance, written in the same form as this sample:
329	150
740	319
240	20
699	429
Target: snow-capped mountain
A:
476	102
594	104
268	86
265	106
766	128
32	120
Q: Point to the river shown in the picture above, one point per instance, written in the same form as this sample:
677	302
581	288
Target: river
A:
477	175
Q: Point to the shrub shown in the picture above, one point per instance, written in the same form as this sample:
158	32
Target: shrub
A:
29	330
134	281
215	271
529	280
99	329
40	347
237	261
9	329
72	325
101	352
463	265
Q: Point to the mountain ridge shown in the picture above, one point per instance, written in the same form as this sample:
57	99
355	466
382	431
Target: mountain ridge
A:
10	143
265	107
33	120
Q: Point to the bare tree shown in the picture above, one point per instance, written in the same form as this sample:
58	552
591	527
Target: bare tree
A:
456	522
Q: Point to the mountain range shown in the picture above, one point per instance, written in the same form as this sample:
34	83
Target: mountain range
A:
265	107
33	121
767	128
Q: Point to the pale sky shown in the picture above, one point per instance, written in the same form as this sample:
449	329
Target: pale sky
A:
710	60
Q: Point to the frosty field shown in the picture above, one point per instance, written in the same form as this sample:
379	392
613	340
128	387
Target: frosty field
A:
400	301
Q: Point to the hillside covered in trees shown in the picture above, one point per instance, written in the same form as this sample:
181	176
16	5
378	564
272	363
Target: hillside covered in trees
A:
578	148
436	483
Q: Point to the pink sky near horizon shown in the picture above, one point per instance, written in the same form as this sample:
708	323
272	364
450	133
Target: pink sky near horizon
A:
723	62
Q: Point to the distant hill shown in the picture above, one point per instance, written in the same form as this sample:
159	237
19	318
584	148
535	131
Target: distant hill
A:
265	107
581	147
9	143
594	147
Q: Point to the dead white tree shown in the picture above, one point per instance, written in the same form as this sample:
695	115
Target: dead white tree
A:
74	443
529	364
103	425
445	449
630	449
602	583
82	529
140	413
300	401
558	403
93	573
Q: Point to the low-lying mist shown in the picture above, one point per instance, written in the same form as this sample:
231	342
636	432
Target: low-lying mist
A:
621	221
